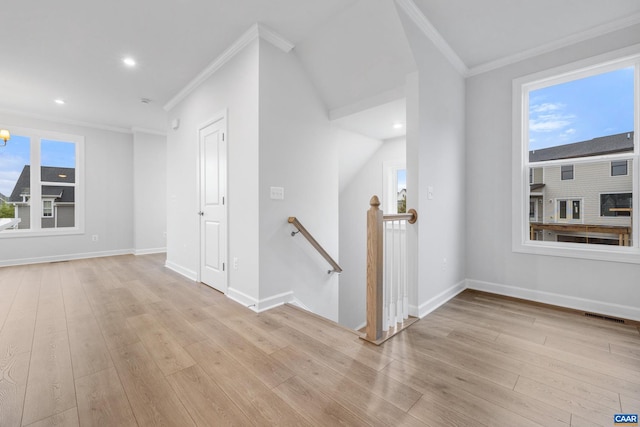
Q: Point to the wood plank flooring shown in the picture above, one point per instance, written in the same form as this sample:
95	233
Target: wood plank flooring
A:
122	341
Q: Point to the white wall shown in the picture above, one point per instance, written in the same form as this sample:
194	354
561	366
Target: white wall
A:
233	87
149	194
108	199
354	150
436	158
298	151
354	203
607	287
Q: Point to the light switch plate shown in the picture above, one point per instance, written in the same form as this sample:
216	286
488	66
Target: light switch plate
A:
277	193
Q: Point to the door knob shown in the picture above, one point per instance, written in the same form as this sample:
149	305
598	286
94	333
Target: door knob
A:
201	213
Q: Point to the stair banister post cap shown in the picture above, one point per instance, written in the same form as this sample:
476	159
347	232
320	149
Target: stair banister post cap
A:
374	201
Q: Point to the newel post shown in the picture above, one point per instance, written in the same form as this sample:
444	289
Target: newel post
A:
374	270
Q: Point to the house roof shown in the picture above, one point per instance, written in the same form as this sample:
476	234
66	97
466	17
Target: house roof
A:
618	143
47	174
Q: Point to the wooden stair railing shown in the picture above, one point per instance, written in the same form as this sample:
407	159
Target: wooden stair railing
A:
294	221
375	271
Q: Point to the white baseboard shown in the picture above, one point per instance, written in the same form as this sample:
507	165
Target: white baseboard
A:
242	298
274	301
438	300
67	257
149	251
577	303
189	274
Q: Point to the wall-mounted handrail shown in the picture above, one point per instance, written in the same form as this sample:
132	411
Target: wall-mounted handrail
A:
294	221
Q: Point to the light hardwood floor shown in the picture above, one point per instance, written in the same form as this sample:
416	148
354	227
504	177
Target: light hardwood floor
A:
121	341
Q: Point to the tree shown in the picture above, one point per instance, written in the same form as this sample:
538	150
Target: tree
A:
7	210
402	205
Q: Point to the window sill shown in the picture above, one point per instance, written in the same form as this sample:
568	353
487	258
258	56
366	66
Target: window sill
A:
11	234
622	254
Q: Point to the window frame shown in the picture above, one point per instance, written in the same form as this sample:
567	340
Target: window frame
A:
44	209
563	171
521	243
611	193
36	201
626	168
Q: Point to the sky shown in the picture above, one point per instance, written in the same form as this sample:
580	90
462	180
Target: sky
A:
582	109
16	155
402	179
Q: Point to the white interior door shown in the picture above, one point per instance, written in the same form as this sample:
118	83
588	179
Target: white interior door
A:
213	210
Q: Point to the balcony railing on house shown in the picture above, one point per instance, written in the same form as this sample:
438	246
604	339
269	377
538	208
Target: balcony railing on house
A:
387	273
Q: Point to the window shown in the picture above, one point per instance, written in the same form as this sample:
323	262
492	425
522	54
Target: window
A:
394	192
47	208
619	168
566	172
42	181
568	210
577	124
615	204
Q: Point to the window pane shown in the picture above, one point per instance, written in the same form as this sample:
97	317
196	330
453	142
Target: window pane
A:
563	209
58	162
15	190
569	125
576	209
619	168
615	204
580	110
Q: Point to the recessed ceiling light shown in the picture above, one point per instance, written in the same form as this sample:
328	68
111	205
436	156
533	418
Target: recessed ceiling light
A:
129	62
59	101
398	125
62	175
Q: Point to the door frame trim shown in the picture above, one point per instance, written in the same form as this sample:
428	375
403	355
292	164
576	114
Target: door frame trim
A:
219	116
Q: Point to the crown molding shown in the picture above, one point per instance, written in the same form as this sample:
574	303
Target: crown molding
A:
256	31
274	38
63	121
556	44
427	28
136	129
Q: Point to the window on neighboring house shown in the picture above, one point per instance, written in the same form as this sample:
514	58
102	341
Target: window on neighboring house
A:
43	181
566	172
619	167
47	208
568	210
576	124
618	204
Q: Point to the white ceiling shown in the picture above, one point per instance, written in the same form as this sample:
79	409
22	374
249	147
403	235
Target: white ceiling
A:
377	122
352	49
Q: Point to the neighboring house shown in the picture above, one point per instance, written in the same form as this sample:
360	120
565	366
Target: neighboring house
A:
58	201
3	199
584	202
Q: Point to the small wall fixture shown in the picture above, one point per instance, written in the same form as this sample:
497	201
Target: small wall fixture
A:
4	136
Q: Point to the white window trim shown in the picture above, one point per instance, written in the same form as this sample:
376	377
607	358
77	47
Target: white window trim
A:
611	175
569	201
520	179
36	229
53	215
390	170
611	192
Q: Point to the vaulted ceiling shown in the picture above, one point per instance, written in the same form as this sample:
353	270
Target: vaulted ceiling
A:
353	50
